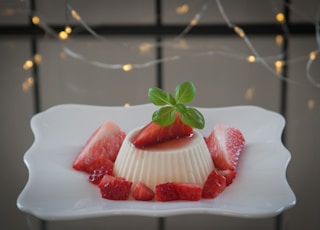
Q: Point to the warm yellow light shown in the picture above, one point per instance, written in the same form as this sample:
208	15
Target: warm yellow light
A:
8	12
30	80
280	17
194	22
145	47
63	55
182	44
249	94
239	31
35	20
279	64
37	58
28	64
63	35
311	104
279	39
183	9
27	84
75	15
313	55
251	58
127	67
126	105
68	29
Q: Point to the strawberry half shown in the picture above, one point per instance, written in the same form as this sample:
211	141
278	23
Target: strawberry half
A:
101	148
214	185
114	188
153	133
225	144
142	192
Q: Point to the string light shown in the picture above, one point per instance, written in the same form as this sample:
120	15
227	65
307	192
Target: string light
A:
75	15
27	65
183	9
27	84
68	29
251	58
280	18
249	94
145	48
37	59
194	22
35	20
311	104
63	35
239	31
313	55
127	67
180	43
279	64
279	39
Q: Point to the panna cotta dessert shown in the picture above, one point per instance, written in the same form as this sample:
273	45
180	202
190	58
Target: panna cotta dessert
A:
165	160
183	160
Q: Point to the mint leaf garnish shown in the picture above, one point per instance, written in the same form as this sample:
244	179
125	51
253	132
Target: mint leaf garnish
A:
185	92
166	115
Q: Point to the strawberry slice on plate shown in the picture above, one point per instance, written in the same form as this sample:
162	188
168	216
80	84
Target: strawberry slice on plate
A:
188	191
142	192
214	185
153	133
114	188
166	192
225	144
101	149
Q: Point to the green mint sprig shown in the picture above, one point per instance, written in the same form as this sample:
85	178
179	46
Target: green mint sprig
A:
166	115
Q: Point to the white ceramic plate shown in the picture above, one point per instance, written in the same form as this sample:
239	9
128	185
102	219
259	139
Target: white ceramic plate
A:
55	191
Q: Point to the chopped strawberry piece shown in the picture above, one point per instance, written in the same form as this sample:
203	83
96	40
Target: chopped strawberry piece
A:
114	188
153	133
106	179
98	174
228	174
214	185
188	191
142	192
101	148
166	192
225	144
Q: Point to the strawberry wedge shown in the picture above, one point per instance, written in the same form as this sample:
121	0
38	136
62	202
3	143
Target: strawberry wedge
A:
225	144
153	133
101	149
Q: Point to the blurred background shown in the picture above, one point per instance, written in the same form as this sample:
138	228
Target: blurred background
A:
245	52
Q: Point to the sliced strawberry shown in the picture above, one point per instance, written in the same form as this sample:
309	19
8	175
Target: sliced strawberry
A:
228	174
98	173
188	191
166	192
106	179
154	134
142	192
225	144
101	148
114	188
214	185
